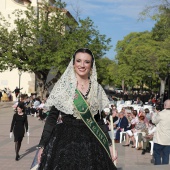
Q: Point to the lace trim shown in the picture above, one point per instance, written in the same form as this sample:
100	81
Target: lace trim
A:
62	95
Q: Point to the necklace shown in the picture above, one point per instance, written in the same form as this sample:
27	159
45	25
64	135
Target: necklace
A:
82	86
88	90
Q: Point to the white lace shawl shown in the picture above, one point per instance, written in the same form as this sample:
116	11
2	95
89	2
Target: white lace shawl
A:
63	92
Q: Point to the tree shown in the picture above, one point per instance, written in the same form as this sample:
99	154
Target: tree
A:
161	33
140	57
6	42
48	41
107	69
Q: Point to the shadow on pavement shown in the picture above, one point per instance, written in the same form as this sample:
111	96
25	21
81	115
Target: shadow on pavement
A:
28	151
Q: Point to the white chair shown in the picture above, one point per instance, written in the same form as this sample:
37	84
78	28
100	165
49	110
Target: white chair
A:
128	102
136	138
121	136
118	103
151	151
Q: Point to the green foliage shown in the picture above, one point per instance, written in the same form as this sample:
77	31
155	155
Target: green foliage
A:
6	43
138	56
146	54
46	38
107	69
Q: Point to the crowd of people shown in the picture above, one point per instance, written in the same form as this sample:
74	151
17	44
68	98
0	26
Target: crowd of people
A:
76	130
26	105
136	125
33	105
6	94
142	126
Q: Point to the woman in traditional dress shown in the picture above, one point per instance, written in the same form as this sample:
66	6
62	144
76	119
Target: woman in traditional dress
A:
80	142
5	97
18	126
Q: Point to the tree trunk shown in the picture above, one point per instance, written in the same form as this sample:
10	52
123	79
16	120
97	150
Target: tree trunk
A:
42	91
162	86
123	85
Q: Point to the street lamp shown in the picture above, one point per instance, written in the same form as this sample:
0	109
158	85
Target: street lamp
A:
19	73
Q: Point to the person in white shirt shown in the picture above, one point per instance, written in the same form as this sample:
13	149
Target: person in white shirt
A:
162	135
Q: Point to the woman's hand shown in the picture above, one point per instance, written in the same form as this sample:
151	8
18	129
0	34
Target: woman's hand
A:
10	135
39	155
114	157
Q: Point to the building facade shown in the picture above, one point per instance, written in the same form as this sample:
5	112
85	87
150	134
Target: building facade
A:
15	78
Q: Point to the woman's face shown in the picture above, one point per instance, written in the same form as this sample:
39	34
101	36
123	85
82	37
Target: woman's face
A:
19	110
114	113
82	64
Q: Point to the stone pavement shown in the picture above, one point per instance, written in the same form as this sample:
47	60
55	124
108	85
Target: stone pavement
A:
128	158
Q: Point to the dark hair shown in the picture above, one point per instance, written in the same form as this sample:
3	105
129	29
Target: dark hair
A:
21	105
83	50
134	112
147	110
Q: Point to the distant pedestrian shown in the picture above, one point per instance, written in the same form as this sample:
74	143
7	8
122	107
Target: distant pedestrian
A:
0	95
17	127
17	91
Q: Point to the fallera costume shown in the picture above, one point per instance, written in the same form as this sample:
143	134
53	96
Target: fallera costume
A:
81	142
5	97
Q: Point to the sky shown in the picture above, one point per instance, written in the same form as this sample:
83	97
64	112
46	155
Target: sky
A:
113	18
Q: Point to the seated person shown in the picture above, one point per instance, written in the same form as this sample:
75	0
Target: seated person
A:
122	101
148	137
115	118
27	104
121	126
150	102
147	115
141	112
133	122
138	101
128	114
40	109
139	127
43	112
36	103
134	119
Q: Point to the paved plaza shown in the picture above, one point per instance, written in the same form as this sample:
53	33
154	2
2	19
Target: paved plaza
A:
128	158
